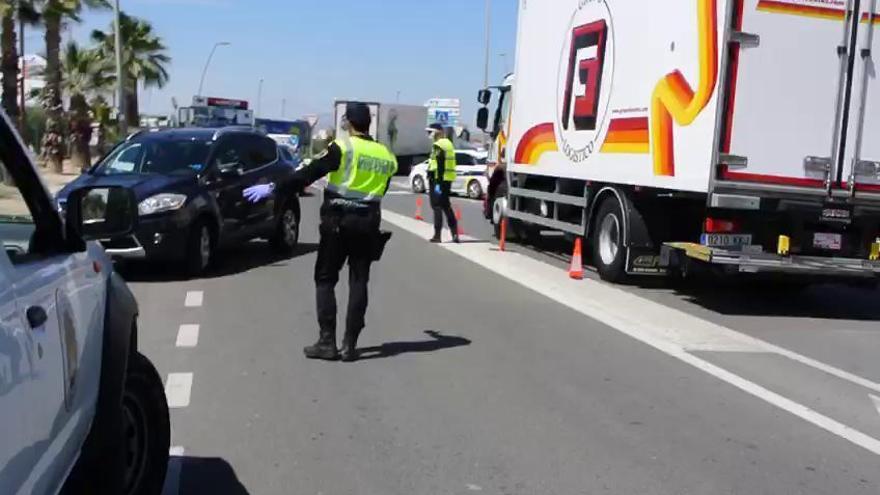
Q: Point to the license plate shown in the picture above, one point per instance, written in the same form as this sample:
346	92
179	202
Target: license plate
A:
830	242
726	240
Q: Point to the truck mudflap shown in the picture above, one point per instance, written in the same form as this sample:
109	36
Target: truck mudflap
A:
673	253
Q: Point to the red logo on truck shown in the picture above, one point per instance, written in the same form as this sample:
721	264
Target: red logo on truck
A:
588	72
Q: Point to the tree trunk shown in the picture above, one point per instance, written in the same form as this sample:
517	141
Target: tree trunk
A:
132	107
80	133
9	65
53	140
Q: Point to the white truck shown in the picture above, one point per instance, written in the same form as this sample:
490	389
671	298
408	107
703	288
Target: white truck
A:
399	127
735	135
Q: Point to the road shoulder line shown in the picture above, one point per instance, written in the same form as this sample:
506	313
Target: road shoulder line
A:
666	329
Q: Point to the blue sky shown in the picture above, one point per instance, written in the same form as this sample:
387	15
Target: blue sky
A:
311	52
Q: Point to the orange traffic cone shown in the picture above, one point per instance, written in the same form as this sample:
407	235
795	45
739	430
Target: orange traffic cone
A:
502	242
458	220
577	262
419	203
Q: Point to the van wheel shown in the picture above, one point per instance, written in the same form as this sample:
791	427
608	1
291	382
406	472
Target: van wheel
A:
609	252
146	428
199	249
286	236
474	189
418	184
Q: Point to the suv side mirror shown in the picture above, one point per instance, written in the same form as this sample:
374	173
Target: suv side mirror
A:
483	118
102	212
484	97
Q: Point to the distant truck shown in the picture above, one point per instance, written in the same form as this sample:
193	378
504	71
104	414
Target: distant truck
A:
399	127
739	138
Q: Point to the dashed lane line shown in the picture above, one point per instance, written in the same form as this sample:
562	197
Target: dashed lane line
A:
178	388
188	336
668	330
194	299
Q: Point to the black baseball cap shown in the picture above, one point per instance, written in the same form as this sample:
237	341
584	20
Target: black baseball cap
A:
358	114
435	127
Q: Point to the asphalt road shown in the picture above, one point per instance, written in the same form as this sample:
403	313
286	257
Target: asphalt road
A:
489	372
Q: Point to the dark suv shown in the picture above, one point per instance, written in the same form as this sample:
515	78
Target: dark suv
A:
188	184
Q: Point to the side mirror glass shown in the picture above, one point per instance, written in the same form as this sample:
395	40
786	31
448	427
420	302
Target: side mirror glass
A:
484	97
483	118
102	212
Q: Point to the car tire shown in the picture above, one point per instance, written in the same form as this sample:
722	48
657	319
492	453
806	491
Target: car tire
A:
475	190
146	428
418	184
609	251
286	236
199	249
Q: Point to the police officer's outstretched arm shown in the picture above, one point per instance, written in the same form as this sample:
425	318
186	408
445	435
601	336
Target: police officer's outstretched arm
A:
326	163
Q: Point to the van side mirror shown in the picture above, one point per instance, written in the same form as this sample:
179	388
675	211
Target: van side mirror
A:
484	97
102	212
483	118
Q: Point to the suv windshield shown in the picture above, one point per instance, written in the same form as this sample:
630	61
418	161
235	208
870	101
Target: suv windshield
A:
156	156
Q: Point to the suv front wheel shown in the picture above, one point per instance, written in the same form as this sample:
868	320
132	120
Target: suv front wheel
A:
286	236
199	249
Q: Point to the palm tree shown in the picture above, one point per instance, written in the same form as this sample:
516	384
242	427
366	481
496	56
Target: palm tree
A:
9	61
55	13
86	74
143	59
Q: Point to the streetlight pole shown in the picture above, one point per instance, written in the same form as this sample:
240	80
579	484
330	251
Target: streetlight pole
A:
488	41
208	63
120	83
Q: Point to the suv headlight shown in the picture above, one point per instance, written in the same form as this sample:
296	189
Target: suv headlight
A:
161	203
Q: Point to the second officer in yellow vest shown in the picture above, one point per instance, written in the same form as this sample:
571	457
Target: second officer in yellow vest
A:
359	171
441	174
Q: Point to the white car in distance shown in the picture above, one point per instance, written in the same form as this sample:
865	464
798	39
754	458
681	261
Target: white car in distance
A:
470	169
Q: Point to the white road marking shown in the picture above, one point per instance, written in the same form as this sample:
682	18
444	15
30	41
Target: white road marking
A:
876	401
474	488
194	299
177	389
172	476
188	336
668	330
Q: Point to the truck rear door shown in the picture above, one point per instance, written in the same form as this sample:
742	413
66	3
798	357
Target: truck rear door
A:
861	171
789	73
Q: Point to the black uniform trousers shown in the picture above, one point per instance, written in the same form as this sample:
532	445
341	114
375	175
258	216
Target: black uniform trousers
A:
346	235
441	205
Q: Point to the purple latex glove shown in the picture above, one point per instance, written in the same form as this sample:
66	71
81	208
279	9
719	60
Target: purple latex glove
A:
258	193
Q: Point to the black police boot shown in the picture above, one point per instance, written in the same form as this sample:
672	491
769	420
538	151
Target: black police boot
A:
436	240
349	348
324	349
456	239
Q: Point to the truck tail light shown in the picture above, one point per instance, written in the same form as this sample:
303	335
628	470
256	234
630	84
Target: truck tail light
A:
719	226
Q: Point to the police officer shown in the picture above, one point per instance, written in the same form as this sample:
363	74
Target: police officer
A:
441	174
359	170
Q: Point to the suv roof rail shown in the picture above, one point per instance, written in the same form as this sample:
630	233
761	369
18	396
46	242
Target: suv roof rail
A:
135	134
237	129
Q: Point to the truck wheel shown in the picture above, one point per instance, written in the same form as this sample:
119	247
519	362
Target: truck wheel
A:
146	428
199	249
499	211
609	252
286	236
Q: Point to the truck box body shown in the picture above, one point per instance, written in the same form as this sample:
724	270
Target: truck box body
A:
763	112
399	127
